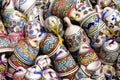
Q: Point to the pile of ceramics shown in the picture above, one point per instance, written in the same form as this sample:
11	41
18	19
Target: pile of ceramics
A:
59	40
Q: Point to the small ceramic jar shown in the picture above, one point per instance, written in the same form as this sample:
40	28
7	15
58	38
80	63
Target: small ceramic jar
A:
5	44
109	52
50	44
19	73
24	5
26	52
15	62
33	73
50	74
87	56
43	61
54	24
61	8
65	64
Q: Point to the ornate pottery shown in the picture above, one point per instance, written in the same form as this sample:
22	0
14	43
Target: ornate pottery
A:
109	52
19	73
26	52
24	5
43	61
72	36
16	22
33	73
54	24
50	74
65	64
2	27
34	32
87	57
50	44
3	66
62	8
5	44
15	62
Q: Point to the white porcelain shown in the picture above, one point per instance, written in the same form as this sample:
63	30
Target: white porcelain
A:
94	66
10	4
33	73
111	16
49	74
24	5
84	48
43	61
19	74
72	35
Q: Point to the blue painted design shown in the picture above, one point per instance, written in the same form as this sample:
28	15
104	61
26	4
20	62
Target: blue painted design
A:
21	2
104	14
31	32
64	64
26	52
117	14
113	17
4	42
42	31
